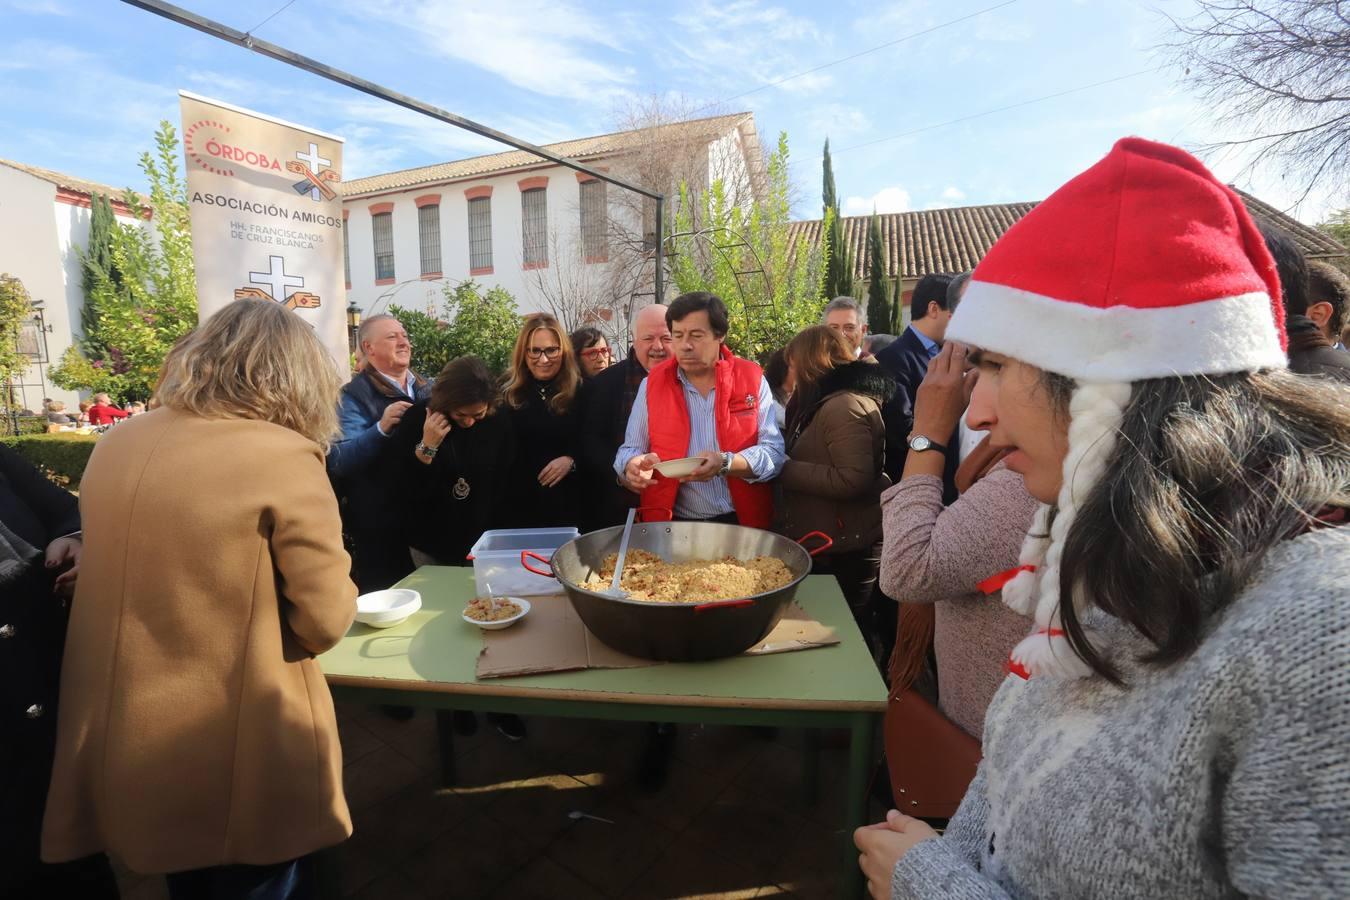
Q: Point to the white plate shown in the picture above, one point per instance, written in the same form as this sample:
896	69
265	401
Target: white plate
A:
678	468
384	609
502	623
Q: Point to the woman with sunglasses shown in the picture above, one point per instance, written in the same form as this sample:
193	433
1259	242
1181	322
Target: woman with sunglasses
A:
541	394
592	351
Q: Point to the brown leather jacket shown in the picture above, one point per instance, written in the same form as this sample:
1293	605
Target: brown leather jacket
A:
834	475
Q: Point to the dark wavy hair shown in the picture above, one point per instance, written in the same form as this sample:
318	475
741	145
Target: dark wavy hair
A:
1208	475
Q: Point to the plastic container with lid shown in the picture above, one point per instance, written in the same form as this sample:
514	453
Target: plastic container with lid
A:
496	560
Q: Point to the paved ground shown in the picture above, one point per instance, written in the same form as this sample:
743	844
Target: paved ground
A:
732	821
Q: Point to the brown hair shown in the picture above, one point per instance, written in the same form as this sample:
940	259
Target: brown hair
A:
813	354
1209	474
254	359
465	381
519	379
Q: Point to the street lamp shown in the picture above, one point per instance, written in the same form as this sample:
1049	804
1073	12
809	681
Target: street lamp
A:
353	324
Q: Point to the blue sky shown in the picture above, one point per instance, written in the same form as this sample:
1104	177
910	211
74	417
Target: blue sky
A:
83	84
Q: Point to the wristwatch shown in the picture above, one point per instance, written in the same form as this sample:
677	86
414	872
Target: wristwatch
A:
918	443
428	452
727	460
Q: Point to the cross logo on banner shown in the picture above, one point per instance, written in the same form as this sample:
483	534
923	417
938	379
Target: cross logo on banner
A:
276	278
311	165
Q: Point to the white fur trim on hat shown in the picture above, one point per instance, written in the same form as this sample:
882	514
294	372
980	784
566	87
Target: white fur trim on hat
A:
1119	343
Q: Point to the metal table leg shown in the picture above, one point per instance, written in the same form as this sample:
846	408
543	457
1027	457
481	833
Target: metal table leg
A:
859	771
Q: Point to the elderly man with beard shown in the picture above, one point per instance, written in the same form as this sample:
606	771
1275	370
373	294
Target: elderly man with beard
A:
606	401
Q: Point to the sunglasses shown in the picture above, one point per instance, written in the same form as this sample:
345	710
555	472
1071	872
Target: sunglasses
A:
546	352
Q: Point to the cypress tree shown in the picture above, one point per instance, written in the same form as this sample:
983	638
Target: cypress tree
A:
878	289
839	265
97	268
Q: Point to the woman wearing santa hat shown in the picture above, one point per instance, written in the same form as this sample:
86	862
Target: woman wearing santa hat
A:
1176	723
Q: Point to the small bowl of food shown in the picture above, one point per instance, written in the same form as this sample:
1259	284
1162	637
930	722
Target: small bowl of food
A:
678	468
385	609
495	613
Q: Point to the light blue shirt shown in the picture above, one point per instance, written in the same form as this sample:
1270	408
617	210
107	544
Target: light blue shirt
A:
707	499
932	346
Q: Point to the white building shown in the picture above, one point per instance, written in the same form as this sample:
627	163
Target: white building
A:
44	218
551	236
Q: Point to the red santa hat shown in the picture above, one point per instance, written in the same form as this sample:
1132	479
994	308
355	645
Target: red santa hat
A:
1144	266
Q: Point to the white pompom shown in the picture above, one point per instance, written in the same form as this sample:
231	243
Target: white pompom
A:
1046	655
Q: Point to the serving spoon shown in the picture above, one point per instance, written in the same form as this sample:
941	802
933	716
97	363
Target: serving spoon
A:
614	589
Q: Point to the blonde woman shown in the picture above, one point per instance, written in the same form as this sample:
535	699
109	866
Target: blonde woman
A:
541	405
196	735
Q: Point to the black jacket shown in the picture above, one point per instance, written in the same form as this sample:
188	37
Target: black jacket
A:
447	505
32	636
606	402
1312	354
906	359
541	436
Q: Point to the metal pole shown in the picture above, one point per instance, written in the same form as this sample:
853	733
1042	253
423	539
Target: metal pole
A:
659	288
291	58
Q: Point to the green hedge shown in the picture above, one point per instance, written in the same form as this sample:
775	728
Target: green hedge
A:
62	456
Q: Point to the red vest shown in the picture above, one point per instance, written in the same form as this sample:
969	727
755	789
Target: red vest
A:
737	425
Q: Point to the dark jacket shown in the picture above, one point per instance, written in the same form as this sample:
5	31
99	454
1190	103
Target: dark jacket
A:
32	636
370	515
1312	354
447	505
541	436
906	359
833	478
605	404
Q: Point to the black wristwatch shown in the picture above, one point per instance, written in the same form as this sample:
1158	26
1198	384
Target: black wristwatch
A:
918	443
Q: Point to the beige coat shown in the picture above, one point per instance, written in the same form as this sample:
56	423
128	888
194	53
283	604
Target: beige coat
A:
195	727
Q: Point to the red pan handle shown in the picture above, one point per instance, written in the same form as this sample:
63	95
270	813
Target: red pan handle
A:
748	601
829	542
527	555
669	513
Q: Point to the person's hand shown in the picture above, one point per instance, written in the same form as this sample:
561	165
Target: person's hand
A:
555	471
943	395
64	552
434	431
882	845
393	414
637	474
707	469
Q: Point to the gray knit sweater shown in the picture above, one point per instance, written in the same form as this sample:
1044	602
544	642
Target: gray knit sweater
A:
1224	775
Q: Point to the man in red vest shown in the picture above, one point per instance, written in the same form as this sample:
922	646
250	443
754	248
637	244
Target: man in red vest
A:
710	404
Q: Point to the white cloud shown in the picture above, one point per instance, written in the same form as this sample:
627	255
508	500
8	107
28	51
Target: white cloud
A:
837	121
550	48
886	200
953	193
41	7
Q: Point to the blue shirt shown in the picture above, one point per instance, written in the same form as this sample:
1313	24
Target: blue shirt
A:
707	499
932	346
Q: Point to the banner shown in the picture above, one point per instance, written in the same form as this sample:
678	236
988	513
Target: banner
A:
266	215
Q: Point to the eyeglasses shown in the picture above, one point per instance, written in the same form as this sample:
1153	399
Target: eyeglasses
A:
596	353
546	352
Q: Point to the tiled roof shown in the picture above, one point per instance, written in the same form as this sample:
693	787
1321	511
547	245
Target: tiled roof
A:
954	240
579	149
68	182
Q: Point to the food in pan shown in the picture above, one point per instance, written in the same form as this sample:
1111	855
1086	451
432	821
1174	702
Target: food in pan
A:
483	609
647	576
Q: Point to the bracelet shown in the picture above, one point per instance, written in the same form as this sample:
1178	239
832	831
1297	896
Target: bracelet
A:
428	452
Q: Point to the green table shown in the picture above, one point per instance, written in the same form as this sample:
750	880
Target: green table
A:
429	661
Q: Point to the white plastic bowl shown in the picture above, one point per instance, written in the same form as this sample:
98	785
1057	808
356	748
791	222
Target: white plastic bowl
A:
502	623
678	468
383	609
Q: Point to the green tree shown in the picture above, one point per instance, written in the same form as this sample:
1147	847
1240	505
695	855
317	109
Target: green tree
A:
839	262
143	296
878	287
476	322
97	265
15	307
743	254
1338	226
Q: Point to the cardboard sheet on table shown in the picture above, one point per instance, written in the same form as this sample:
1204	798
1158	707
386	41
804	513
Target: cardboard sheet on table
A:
552	638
